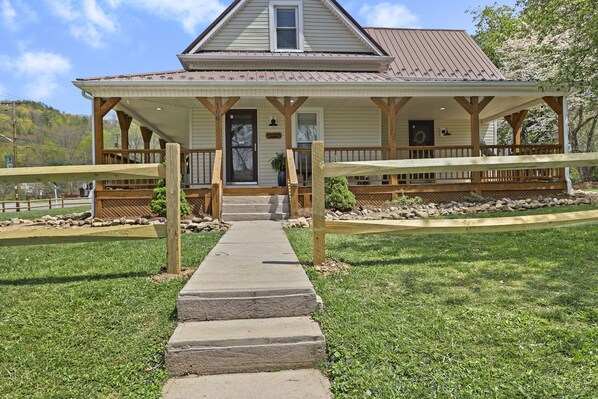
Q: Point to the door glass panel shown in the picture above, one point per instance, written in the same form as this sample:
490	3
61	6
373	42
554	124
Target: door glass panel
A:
242	131
242	147
242	164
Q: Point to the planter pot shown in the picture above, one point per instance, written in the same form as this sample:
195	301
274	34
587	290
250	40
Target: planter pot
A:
282	178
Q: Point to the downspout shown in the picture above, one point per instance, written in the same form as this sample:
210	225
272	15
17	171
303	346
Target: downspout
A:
566	144
93	151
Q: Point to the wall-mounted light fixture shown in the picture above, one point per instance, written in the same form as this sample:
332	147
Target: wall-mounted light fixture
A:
273	122
445	132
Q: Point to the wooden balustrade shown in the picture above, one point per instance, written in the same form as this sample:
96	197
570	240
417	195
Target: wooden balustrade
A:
546	174
431	152
196	166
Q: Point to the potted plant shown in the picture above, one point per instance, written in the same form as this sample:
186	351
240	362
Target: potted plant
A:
279	163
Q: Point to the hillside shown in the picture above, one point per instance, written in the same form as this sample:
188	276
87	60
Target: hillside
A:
47	137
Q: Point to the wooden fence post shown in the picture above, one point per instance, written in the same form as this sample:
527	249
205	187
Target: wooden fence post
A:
28	205
318	205
173	207
50	203
3	206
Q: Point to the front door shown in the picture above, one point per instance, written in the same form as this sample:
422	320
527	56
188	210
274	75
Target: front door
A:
421	134
241	146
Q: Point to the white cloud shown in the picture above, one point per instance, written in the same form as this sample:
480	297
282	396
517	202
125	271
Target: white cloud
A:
40	70
86	19
8	14
388	15
189	13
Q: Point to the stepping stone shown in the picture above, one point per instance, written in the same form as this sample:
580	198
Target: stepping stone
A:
296	384
245	346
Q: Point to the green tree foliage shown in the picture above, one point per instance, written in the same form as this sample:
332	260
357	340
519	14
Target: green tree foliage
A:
158	202
554	42
338	195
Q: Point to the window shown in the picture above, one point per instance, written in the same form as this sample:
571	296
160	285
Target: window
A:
286	26
308	127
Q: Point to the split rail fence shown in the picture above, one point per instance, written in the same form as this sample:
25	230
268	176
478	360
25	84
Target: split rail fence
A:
321	170
171	172
41	204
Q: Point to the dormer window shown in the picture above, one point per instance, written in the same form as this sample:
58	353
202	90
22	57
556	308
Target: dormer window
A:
286	26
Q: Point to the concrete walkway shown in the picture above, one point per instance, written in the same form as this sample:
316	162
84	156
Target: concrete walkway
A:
244	314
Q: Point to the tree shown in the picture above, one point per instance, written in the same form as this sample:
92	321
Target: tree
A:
554	42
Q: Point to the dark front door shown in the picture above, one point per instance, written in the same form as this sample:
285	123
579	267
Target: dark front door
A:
241	146
421	134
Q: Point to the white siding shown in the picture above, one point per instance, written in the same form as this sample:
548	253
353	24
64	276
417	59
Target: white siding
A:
249	30
352	127
459	129
268	177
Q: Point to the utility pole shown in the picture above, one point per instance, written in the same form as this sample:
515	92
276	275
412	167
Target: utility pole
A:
14	150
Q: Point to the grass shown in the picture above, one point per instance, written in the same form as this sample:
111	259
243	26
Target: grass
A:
43	212
509	315
84	320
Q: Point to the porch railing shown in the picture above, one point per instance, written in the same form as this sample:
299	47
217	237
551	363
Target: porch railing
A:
530	175
196	166
340	154
428	152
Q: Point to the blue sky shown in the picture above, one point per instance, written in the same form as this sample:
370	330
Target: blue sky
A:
45	44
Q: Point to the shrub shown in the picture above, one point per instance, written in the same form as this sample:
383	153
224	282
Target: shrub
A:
338	195
405	200
158	202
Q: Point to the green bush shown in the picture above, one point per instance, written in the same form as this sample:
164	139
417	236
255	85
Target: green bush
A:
405	200
158	202
338	195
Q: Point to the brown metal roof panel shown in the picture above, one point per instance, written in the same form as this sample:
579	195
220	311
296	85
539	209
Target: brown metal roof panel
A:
435	53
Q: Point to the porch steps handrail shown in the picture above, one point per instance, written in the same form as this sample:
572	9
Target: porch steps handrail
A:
293	183
217	186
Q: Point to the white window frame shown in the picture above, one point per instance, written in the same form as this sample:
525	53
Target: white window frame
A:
298	5
319	114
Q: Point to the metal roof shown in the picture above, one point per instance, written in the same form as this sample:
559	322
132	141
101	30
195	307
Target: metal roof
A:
435	54
250	76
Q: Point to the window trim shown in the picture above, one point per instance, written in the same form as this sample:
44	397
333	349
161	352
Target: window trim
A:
319	111
298	5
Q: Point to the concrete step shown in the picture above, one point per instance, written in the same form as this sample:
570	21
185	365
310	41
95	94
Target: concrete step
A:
288	384
258	199
248	217
256	208
248	276
245	346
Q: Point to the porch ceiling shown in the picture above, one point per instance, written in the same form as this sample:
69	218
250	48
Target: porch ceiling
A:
172	121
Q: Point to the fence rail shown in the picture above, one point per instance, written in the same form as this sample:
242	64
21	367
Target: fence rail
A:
171	172
303	165
321	170
50	203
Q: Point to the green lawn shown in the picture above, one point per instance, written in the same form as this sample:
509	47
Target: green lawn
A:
39	213
84	321
510	315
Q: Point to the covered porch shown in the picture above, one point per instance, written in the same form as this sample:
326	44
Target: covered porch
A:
354	129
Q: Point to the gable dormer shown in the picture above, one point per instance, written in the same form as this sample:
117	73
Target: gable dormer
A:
252	31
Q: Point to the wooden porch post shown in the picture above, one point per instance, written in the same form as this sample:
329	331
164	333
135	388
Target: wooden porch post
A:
391	108
101	108
557	105
516	121
287	109
474	107
162	144
219	110
147	139
124	121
